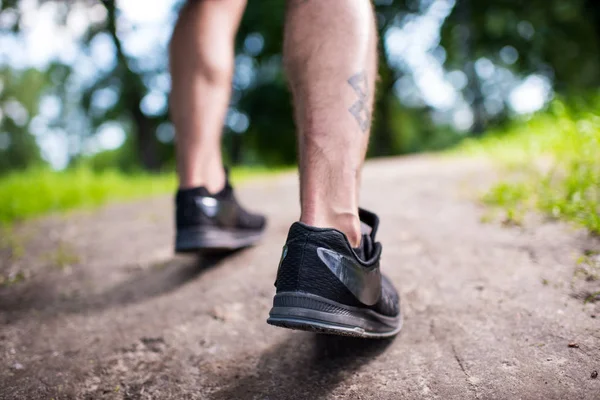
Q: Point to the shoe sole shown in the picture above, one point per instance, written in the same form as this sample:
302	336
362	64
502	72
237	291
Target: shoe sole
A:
308	312
213	239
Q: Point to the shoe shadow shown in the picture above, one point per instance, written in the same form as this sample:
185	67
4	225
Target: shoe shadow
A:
304	366
158	280
46	299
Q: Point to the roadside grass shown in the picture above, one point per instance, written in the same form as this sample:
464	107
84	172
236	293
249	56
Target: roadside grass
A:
34	192
552	164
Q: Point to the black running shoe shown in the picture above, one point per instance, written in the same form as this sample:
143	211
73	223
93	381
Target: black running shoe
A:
326	286
214	222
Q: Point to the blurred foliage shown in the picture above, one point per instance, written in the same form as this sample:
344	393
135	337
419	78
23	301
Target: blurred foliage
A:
38	191
19	98
554	164
555	39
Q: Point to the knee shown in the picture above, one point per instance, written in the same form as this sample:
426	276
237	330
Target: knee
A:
212	64
203	39
217	69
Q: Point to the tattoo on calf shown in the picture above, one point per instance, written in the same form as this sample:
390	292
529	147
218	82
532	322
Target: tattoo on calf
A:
361	110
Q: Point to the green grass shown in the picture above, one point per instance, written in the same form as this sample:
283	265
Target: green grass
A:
552	165
36	192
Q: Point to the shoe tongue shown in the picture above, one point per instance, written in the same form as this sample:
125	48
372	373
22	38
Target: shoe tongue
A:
225	193
365	250
371	221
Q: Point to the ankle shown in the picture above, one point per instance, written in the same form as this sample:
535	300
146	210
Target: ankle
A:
346	222
214	181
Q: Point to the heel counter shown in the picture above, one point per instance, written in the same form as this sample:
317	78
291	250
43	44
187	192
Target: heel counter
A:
288	272
292	258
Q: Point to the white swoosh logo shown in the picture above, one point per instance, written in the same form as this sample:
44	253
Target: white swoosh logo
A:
208	205
364	284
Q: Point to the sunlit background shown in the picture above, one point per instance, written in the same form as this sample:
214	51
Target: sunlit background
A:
448	70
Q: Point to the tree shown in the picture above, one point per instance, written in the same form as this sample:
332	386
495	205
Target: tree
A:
19	93
553	38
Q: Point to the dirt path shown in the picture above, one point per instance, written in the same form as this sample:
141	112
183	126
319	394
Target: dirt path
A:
106	311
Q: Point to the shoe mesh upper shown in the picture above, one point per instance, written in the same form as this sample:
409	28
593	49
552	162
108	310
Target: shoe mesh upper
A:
302	270
229	213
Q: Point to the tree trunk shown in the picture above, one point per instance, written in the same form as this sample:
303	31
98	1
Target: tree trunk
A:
593	8
463	10
236	148
131	95
382	136
146	143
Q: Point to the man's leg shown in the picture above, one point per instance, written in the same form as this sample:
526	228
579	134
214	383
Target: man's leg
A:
201	63
208	216
330	55
329	280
